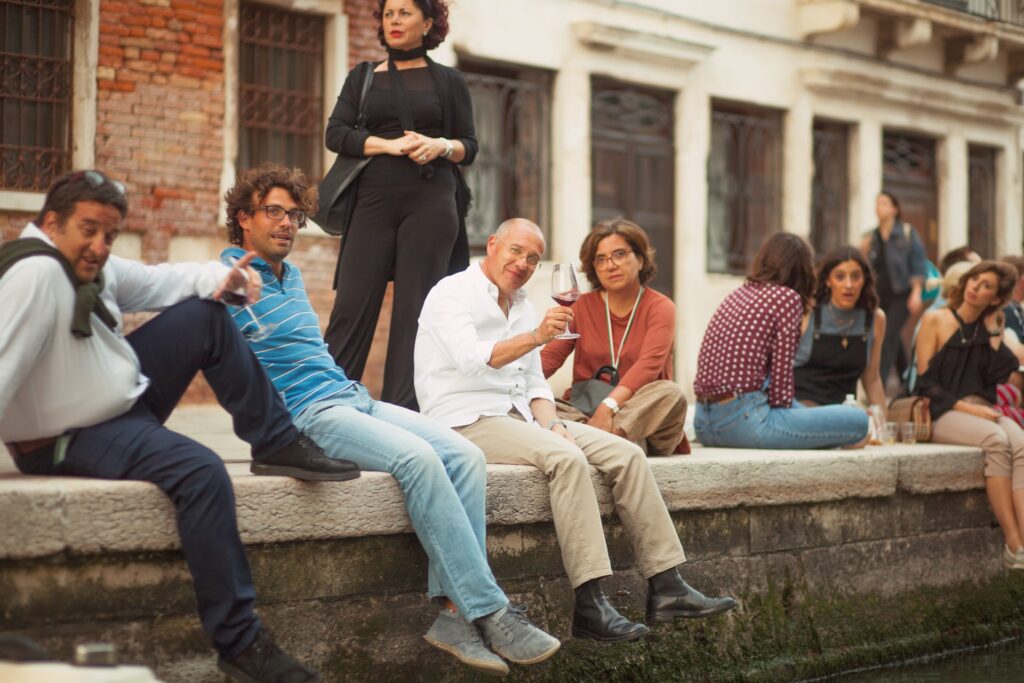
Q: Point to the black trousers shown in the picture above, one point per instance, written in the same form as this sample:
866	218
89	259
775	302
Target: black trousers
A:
405	233
191	336
896	315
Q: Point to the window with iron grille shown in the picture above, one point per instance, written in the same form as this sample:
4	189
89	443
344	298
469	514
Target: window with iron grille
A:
830	186
744	184
981	195
511	174
281	67
35	92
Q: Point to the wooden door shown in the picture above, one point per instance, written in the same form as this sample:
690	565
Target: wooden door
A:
908	172
633	163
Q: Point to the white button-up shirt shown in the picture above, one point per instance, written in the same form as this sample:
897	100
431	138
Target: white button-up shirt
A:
458	327
51	381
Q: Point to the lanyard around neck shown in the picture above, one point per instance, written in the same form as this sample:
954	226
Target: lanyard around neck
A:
616	357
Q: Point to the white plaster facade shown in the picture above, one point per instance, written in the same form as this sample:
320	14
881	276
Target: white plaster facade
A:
809	58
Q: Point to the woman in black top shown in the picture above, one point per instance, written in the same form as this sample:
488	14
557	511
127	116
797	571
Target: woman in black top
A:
841	338
407	224
960	360
898	258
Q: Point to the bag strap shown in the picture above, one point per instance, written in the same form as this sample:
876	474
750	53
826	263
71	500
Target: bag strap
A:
368	68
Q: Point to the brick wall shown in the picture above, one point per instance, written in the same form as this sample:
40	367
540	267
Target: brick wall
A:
160	113
11	224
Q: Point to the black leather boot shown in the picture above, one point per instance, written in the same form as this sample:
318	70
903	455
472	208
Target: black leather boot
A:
596	619
669	598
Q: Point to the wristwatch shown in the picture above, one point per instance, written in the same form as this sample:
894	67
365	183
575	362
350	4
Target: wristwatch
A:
612	404
554	422
448	148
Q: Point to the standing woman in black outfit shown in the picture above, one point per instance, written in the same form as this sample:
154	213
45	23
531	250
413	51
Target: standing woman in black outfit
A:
408	221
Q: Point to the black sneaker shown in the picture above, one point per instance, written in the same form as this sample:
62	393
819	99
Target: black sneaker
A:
303	459
265	662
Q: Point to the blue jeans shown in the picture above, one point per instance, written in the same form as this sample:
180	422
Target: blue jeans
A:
749	422
442	475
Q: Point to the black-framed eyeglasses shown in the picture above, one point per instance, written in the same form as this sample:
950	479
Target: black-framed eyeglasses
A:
616	257
96	179
297	217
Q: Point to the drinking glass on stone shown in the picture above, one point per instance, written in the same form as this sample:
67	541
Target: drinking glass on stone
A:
239	297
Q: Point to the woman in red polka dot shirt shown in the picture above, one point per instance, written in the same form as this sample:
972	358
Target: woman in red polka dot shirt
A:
744	385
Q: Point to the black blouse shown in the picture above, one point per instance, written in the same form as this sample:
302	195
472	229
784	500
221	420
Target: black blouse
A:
966	365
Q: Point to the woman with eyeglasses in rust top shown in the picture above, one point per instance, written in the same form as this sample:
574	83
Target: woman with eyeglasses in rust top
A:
627	329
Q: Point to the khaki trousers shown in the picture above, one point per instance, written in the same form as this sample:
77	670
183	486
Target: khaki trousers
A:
652	418
509	440
1002	442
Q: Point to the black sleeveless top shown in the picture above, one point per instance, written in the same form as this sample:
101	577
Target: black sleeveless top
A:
966	365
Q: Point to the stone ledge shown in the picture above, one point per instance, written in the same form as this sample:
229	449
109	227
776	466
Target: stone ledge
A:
50	515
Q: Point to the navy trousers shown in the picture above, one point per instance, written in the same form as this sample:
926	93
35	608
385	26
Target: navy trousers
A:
191	336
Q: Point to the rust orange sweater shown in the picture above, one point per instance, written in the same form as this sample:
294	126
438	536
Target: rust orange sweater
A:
646	356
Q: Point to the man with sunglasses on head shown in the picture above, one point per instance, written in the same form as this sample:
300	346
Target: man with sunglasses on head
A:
478	371
441	474
79	398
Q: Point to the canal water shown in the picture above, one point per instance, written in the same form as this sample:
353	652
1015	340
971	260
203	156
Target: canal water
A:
1003	664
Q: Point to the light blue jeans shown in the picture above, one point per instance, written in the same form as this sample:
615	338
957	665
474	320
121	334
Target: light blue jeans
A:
749	422
442	475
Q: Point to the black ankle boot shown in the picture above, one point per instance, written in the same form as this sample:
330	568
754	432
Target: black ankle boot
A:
303	459
669	597
596	619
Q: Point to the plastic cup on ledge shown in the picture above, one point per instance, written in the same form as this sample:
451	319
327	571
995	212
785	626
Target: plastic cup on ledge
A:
892	432
908	432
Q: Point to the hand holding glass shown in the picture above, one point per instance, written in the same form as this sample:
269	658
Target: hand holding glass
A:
565	290
240	297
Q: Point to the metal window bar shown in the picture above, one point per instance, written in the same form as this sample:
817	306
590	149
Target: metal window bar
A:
510	176
1009	11
281	88
744	171
830	186
981	193
35	92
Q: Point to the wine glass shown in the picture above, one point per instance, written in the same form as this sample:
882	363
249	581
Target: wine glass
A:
239	297
565	290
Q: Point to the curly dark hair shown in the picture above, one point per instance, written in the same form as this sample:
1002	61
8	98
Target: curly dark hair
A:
437	10
868	299
254	185
634	236
786	259
1006	280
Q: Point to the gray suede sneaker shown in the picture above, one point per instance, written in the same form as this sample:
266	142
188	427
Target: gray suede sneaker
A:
456	636
512	636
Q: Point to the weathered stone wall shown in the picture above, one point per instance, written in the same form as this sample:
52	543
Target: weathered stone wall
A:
838	559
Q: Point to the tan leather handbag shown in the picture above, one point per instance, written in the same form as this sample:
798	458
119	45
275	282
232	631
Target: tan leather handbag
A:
914	409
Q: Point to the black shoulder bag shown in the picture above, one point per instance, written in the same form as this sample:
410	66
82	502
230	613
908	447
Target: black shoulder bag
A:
338	188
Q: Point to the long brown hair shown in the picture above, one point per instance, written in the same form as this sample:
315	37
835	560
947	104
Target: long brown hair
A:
785	259
1006	276
868	299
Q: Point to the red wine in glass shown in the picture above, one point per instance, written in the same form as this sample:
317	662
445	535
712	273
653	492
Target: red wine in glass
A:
565	290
